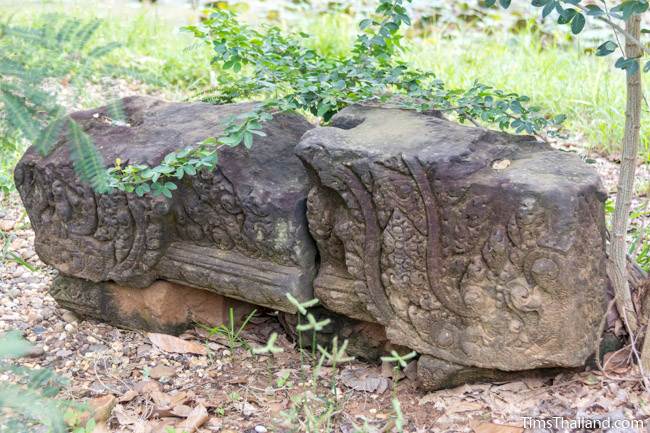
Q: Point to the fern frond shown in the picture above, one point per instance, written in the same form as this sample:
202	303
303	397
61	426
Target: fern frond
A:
83	36
116	111
66	30
30	59
33	96
87	160
49	136
19	116
26	34
32	405
103	50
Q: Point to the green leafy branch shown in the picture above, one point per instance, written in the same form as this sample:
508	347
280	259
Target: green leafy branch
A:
159	180
299	78
574	13
143	179
289	76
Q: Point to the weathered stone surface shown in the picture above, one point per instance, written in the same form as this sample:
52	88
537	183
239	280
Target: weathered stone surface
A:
164	307
478	248
434	373
240	231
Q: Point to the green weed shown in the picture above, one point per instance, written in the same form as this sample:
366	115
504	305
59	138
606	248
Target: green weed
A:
230	331
313	411
8	255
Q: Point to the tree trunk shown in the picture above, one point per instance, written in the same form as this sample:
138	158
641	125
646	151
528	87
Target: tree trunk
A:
618	246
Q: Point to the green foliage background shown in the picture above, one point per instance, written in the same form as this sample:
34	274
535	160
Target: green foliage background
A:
447	38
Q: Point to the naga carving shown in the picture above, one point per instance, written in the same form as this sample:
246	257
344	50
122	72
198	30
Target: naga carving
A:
472	265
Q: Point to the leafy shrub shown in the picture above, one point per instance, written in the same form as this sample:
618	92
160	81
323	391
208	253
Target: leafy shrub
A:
288	75
280	69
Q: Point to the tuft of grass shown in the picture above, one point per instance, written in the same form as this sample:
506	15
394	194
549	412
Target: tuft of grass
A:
230	331
330	34
153	48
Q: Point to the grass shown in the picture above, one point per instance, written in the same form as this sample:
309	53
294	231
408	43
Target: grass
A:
561	78
151	41
230	330
558	75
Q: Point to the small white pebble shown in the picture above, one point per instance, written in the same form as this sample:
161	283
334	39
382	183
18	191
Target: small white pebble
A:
260	429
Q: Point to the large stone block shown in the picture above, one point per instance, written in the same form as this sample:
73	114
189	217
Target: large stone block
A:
240	231
477	248
162	307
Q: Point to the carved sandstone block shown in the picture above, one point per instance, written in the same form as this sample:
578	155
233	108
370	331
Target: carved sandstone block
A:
240	231
478	248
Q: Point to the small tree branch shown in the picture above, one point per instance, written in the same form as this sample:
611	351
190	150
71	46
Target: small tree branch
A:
618	246
630	37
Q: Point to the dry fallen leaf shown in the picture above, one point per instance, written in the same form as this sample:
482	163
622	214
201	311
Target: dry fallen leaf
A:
195	420
147	387
617	360
488	427
102	407
181	411
465	406
123	417
99	409
169	343
161	399
161	371
128	396
364	379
